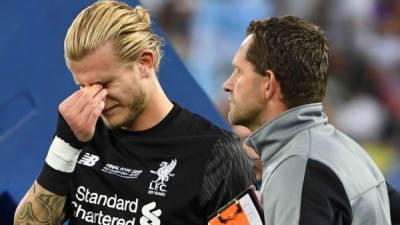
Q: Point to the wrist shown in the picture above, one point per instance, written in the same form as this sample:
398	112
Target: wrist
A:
62	156
53	180
65	133
60	164
61	159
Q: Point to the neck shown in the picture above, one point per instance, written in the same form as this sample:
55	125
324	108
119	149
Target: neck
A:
272	110
157	107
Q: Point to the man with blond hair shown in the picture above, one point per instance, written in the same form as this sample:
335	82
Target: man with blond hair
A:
123	153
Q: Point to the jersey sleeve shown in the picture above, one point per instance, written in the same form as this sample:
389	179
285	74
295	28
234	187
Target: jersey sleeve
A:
228	172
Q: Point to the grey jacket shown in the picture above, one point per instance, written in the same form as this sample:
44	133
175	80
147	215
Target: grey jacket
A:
315	174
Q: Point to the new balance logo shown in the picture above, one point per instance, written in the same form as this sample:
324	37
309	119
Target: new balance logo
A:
150	217
88	159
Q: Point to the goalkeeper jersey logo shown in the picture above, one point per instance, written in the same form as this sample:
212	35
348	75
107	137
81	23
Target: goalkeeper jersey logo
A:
158	186
150	215
88	159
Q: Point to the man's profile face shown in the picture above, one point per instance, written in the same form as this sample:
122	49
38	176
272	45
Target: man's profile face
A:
245	88
126	97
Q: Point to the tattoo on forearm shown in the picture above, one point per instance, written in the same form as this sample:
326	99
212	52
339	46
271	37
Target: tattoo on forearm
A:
40	208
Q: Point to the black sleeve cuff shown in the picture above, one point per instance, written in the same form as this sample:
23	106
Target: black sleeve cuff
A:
53	180
64	132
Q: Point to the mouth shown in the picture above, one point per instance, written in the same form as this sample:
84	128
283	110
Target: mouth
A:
109	110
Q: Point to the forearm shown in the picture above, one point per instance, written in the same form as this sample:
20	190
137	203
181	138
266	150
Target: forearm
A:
40	206
44	202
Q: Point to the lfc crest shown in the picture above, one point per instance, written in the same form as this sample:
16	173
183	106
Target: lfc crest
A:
158	186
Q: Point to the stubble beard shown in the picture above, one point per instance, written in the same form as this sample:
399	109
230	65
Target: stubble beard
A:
232	116
135	108
236	117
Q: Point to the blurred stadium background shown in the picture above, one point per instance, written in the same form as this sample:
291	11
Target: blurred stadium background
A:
363	97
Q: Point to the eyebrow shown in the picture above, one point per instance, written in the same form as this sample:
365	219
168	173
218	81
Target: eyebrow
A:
234	62
236	66
82	85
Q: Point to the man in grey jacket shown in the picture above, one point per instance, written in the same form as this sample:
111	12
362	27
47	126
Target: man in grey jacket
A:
313	173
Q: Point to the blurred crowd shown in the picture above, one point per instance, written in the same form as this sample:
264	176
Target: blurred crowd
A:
363	97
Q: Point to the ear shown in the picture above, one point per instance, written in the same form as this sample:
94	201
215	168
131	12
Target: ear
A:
146	61
271	85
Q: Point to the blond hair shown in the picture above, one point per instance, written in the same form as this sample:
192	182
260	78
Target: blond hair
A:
128	28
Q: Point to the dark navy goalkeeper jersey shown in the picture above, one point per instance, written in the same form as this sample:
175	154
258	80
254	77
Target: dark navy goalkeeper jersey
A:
178	172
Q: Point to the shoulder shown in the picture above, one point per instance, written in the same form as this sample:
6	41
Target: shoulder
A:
192	123
229	163
227	173
305	175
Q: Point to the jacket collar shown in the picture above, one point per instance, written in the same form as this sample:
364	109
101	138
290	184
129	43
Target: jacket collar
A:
272	136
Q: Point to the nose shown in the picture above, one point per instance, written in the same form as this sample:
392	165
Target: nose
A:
228	85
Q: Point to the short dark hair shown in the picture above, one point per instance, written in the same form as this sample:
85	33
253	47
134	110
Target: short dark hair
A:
296	51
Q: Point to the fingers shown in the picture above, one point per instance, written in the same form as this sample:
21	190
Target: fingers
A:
70	101
79	99
94	105
82	109
95	114
86	96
